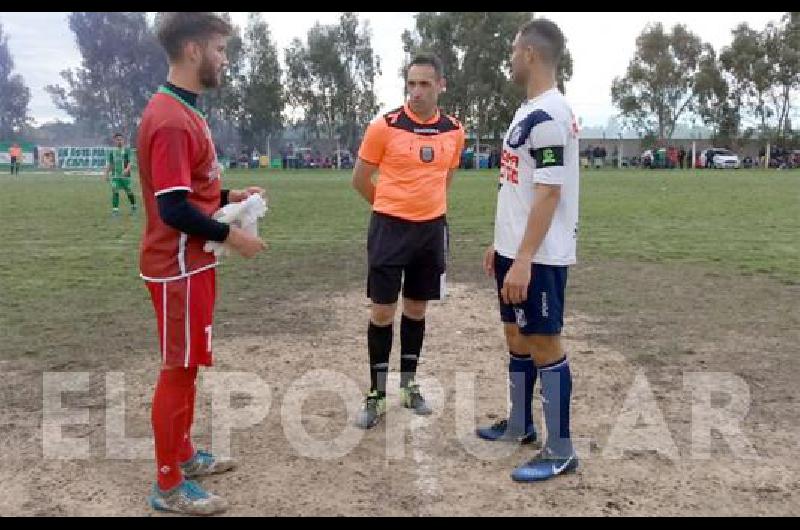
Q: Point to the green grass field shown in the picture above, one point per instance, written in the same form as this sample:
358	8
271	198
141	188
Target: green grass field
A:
70	270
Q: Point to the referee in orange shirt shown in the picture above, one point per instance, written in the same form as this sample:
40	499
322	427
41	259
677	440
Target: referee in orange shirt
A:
415	150
15	156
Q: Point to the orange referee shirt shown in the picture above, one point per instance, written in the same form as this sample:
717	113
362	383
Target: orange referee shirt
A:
413	159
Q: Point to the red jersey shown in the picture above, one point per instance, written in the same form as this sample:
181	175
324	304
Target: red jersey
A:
175	152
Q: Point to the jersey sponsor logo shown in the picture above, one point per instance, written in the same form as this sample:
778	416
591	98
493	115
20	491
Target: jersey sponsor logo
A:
426	153
509	167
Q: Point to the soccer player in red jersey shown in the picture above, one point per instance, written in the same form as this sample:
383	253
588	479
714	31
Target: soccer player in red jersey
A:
181	189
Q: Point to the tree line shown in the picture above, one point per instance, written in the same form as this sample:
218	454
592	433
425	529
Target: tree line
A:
325	83
327	86
744	90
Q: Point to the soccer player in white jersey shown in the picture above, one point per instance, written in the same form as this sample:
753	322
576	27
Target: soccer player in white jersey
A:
534	244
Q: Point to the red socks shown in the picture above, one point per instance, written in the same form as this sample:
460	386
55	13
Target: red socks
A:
173	413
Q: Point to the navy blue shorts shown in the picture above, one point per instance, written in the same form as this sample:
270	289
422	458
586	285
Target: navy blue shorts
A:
543	312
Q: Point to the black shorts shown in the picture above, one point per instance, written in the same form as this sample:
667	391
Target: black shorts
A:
414	249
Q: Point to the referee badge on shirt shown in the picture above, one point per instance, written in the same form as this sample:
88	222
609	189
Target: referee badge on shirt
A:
426	153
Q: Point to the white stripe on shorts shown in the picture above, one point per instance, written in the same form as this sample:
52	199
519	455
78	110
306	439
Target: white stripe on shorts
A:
164	325
188	325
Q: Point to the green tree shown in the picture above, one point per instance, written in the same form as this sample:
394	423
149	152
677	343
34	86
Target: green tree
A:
122	65
746	63
262	99
331	79
783	51
718	102
14	95
659	84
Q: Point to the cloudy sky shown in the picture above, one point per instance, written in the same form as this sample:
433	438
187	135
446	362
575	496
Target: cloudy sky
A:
601	45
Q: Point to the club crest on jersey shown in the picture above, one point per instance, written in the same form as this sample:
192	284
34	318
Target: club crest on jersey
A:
426	153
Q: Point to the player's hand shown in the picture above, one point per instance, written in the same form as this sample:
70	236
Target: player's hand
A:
245	244
488	261
515	285
256	189
240	195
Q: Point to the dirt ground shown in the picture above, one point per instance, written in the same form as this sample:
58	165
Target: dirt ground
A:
436	467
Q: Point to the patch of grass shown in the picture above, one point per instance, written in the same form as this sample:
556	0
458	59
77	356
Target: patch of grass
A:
69	281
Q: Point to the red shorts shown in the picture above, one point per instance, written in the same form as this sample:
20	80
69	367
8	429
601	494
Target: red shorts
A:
185	313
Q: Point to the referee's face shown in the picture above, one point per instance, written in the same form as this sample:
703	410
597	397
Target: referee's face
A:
423	86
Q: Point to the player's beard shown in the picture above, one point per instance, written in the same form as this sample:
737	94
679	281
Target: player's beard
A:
209	76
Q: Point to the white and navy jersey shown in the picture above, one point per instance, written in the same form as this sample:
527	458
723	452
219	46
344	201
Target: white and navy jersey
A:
541	146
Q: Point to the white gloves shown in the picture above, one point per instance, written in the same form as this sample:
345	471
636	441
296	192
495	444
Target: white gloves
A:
244	215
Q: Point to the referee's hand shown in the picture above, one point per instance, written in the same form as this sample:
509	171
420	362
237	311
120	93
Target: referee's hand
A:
488	261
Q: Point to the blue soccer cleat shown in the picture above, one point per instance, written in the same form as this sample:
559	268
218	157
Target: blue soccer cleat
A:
189	498
204	463
544	466
500	431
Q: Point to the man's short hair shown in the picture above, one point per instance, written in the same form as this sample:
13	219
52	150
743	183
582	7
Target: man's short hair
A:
118	135
546	37
426	59
174	29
